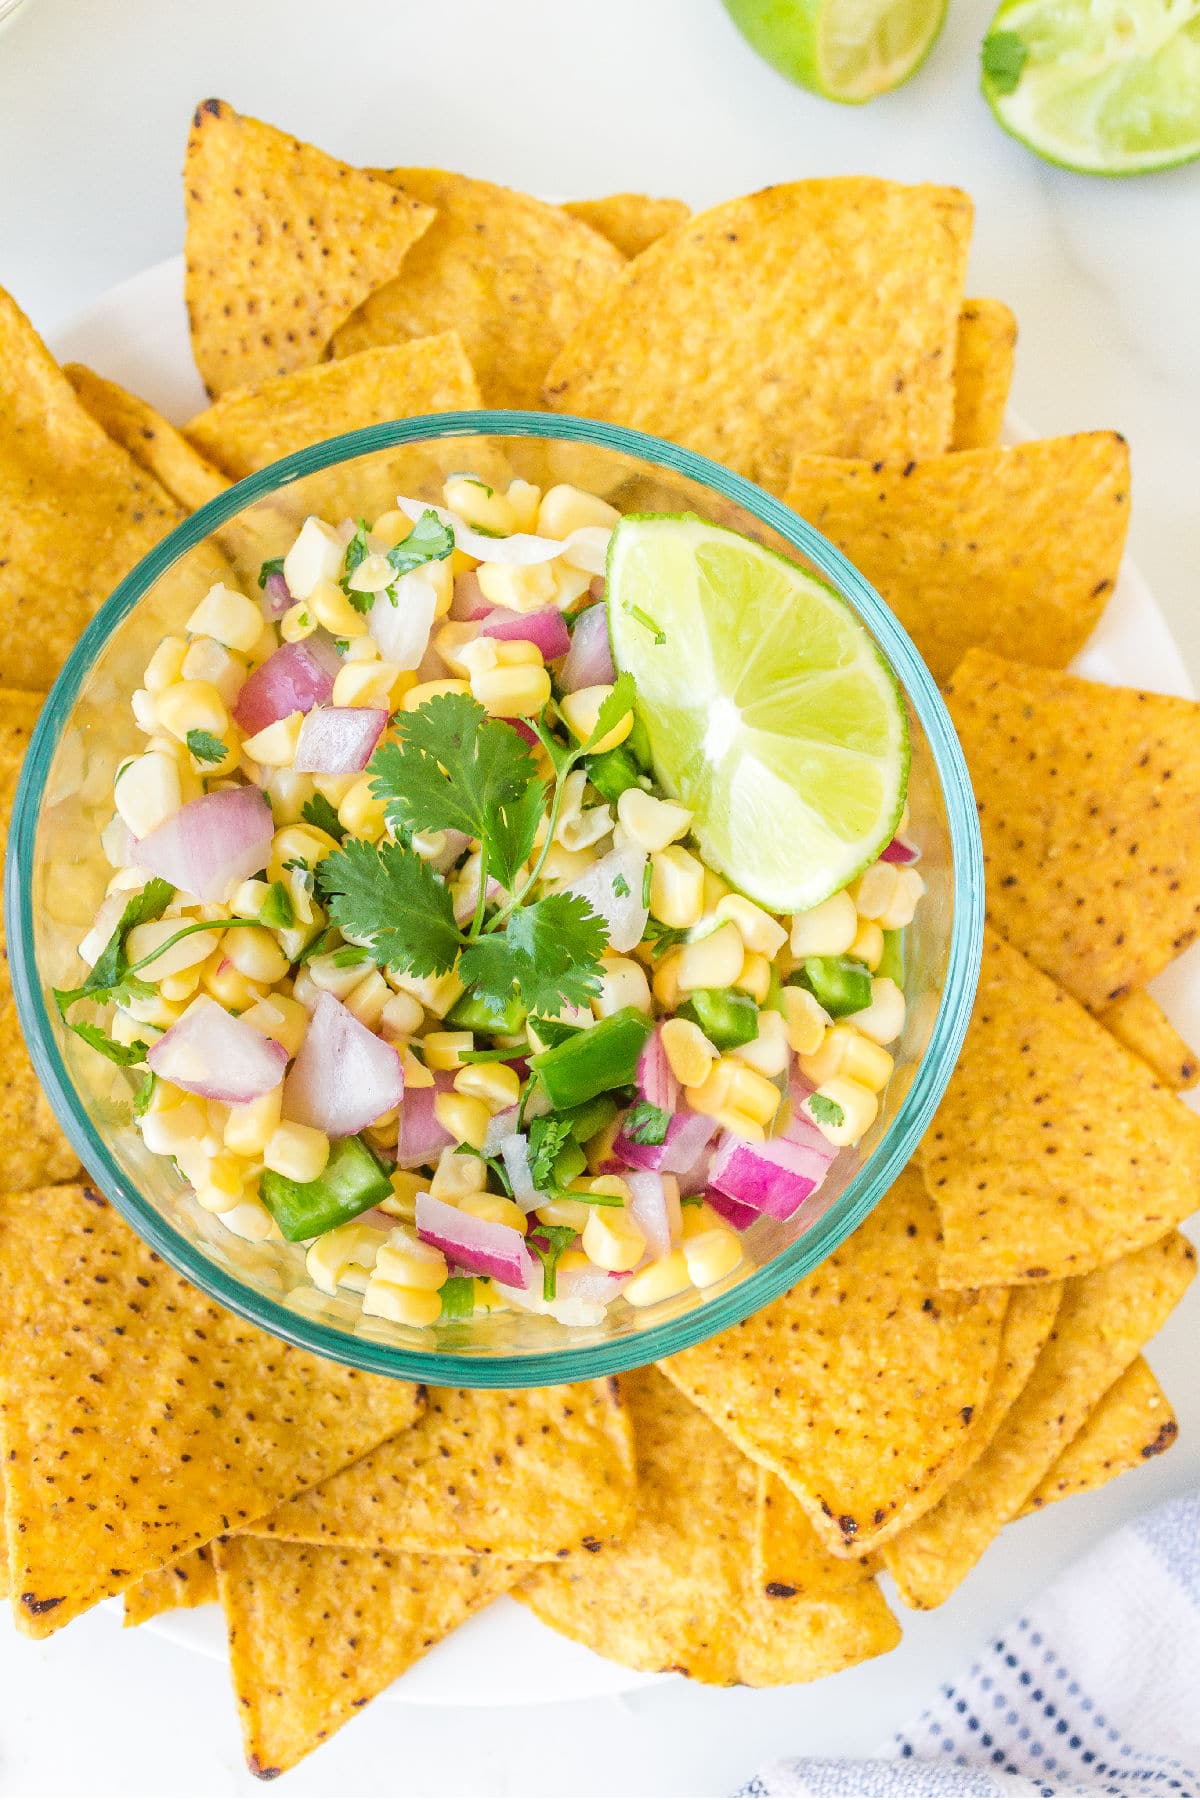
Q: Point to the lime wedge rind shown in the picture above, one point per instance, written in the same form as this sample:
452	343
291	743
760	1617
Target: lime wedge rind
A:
848	51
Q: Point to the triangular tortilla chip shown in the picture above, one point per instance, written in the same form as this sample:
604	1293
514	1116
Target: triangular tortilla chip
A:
990	547
1102	1324
138	1418
630	221
283	242
1089	803
511	274
846	295
151	441
33	1150
78	513
314	1634
680	1592
528	1475
18	715
862	1387
1133	1422
192	1581
1139	1022
983	366
1054	1150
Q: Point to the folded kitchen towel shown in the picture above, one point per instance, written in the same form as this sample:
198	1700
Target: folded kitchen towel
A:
1095	1690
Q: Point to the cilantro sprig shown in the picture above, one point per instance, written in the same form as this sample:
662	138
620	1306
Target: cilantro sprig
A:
428	541
205	747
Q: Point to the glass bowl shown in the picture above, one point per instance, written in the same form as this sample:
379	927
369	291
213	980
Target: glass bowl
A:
57	875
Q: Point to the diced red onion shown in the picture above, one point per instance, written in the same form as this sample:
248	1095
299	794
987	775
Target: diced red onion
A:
294	678
276	596
597	1286
108	916
597	587
589	661
514	1150
469	601
654	1208
900	851
694	1179
211	842
586	548
466	899
456	842
688	1136
401	627
421	1139
775	1177
521	549
734	1212
613	889
344	1077
209	1052
500	1126
338	740
654	1078
547	629
523	729
475	1244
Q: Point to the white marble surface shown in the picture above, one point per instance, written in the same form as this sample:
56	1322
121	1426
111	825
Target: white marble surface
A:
568	98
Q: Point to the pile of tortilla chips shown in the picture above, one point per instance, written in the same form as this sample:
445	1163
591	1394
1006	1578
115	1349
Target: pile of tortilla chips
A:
974	1351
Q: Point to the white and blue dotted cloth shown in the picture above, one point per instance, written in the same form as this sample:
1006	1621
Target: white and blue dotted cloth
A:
1096	1690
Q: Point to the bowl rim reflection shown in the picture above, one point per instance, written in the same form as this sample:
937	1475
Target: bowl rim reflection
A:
567	1362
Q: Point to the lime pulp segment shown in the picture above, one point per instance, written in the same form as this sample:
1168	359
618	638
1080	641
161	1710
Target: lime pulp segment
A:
1105	87
770	712
847	50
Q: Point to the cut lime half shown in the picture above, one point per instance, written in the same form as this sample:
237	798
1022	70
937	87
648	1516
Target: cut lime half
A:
769	709
847	50
1104	87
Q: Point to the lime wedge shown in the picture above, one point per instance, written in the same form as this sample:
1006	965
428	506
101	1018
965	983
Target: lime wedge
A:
1105	89
847	50
770	712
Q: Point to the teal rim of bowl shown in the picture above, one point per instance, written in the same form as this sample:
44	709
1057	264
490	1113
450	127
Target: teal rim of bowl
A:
525	1369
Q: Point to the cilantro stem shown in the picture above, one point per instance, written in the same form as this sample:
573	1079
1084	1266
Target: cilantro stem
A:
187	931
563	763
481	902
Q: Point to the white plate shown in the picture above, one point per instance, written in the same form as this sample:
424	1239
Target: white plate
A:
137	335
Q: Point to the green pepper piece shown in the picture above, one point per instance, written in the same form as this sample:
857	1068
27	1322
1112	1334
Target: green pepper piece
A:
841	985
591	1062
774	999
593	1116
354	1179
458	1297
891	963
569	1163
613	771
638	744
726	1018
472	1012
278	913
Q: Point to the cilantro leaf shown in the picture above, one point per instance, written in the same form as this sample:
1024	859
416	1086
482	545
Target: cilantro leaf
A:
1005	54
547	1135
646	1124
357	551
617	704
458	1296
110	978
145	1093
272	566
824	1110
548	1243
205	747
428	541
620	887
552	1031
662	937
388	896
548	955
349	956
126	1056
320	813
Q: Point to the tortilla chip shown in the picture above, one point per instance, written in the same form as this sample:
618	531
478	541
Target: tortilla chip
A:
789	1558
282	243
180	1586
1089	803
680	1592
630	221
314	1634
1102	1324
1139	1022
846	294
985	547
139	1419
78	514
1086	1158
983	367
511	274
151	441
1133	1422
33	1150
18	716
529	1475
862	1387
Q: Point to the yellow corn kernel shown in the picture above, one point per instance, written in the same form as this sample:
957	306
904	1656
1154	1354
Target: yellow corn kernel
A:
496	1084
249	1127
409	1262
466	1119
436	993
280	1017
565	509
868	944
250	1220
229	617
712	1255
378	684
875	890
144	940
519	588
565	865
769	1052
227	1176
599	1148
570	584
825	930
664	983
826	1060
416	1075
494	1209
523	501
513	693
406	1185
428	690
578	826
455	636
401	1016
337	1253
207	660
416	1307
334	787
368	999
865	1061
148	791
191	706
298	843
275	745
903	906
713	1092
574	1213
677	895
611	1187
298	1151
478	504
714	962
183	985
755	978
581	710
440	576
289	792
166	665
297	623
659	1280
488	1298
856	1104
740	1124
752	1093
141	704
458	1174
612	1240
689	1054
500	653
124	1030
267	645
254	953
651	823
229	985
171	1129
622	984
361	812
361	650
331	609
445	1049
806	1020
883	1020
385	1130
756	928
327	975
699	1216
